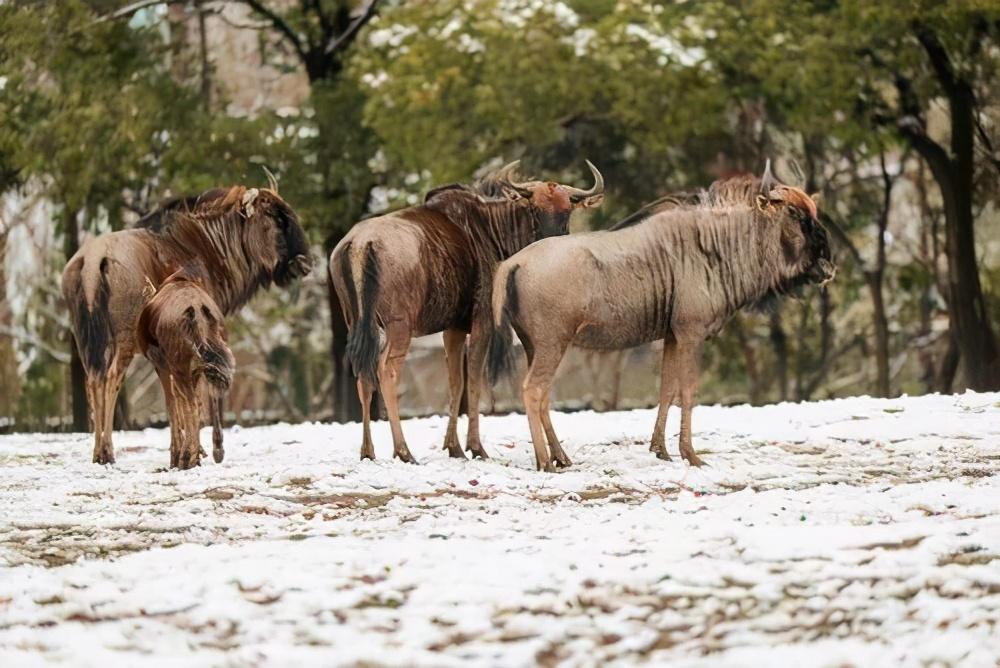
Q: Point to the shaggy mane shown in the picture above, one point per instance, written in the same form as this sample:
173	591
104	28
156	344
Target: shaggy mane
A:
722	194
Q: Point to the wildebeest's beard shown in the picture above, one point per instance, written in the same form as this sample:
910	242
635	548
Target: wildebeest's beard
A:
821	267
294	260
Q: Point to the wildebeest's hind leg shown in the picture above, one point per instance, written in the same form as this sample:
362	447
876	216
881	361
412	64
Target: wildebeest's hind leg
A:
454	352
559	456
103	394
397	335
365	392
688	355
669	376
215	409
535	392
478	343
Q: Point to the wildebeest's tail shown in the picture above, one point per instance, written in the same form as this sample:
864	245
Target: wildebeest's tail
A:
500	355
363	337
87	294
218	367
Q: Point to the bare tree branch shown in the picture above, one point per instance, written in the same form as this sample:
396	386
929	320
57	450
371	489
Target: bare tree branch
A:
348	36
129	10
279	23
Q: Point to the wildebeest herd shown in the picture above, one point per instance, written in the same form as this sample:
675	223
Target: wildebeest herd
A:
477	262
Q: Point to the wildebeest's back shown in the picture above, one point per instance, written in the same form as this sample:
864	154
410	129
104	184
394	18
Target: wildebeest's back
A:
104	286
426	272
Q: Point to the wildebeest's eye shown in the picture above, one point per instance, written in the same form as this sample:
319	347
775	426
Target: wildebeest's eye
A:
189	313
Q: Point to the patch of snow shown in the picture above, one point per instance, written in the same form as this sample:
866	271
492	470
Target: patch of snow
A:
858	531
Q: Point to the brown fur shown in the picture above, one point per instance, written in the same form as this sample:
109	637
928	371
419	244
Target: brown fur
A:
678	271
429	269
182	332
238	239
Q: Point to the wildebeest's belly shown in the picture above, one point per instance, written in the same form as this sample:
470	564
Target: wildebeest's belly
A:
625	323
593	336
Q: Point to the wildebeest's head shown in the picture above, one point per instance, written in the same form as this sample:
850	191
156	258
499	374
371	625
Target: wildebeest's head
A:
805	244
275	226
553	202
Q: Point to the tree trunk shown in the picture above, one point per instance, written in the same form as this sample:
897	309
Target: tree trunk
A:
881	323
346	407
10	386
954	173
77	377
779	340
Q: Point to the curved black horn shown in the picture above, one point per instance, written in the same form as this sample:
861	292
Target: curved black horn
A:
577	194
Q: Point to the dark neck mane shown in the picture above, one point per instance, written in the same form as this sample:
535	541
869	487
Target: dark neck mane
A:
211	238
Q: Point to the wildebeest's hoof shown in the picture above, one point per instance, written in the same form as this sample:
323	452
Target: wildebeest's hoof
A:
455	450
106	456
692	459
477	451
662	454
562	462
405	456
218	454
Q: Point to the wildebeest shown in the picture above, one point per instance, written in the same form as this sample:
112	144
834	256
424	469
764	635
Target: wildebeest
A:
429	269
182	332
238	239
675	271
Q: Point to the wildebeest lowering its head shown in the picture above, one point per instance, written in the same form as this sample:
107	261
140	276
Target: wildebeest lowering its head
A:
429	269
238	239
181	331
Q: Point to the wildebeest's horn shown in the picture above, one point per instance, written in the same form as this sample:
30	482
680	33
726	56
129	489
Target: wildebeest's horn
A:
525	188
767	181
272	182
576	194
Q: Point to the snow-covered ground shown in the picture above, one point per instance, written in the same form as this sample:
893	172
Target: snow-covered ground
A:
856	531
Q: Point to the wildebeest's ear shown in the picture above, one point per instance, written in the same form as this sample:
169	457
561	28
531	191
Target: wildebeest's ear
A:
763	202
816	198
590	202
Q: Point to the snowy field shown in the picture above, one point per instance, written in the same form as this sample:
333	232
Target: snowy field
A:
859	531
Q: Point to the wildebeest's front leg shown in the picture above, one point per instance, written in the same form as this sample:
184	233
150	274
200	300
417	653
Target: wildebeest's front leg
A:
454	353
478	342
669	376
689	357
390	367
189	408
215	410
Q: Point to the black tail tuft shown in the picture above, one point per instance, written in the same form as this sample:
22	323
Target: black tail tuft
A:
363	339
93	328
218	367
500	361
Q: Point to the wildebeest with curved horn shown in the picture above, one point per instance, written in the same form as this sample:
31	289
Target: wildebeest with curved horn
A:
428	269
238	239
181	331
675	271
